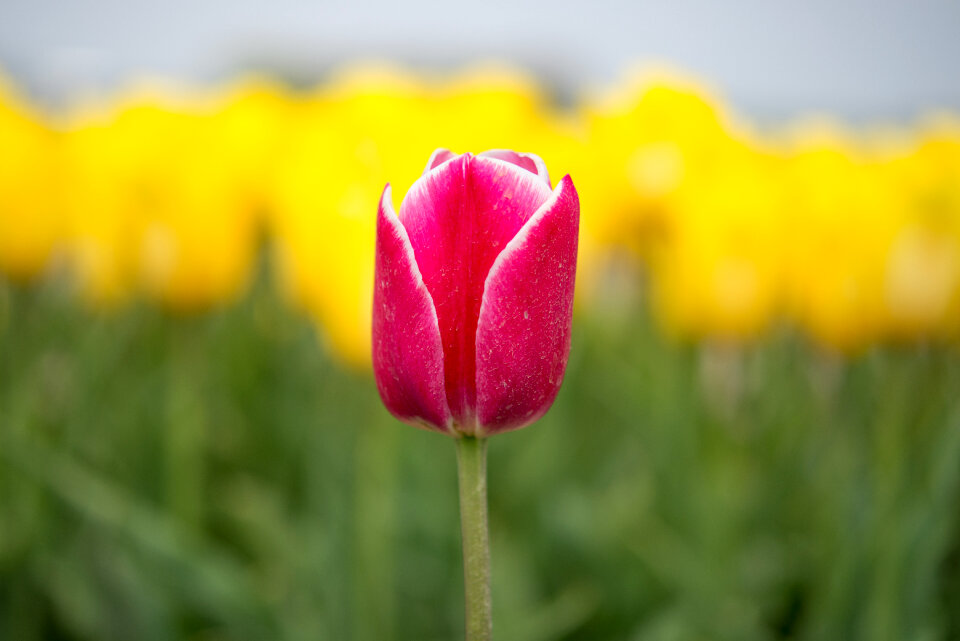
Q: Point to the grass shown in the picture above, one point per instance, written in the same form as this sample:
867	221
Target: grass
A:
223	477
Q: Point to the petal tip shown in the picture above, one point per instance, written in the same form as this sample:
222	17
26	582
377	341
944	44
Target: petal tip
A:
385	205
440	156
530	162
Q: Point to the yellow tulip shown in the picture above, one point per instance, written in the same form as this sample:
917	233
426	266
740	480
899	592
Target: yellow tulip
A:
720	274
922	277
841	222
31	224
252	118
327	190
645	142
155	204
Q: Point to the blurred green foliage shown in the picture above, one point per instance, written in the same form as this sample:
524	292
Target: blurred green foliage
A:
222	477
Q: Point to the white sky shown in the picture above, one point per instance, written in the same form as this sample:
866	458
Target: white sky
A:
771	58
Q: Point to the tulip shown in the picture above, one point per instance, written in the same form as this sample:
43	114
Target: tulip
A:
31	224
474	293
472	304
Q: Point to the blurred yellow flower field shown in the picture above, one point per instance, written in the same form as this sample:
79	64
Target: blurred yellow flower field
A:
170	194
31	218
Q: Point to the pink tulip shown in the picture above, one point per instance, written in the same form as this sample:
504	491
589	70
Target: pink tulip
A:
474	293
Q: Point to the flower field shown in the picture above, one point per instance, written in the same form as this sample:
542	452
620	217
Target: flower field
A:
758	436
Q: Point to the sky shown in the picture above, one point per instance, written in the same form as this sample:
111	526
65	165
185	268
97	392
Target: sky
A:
771	59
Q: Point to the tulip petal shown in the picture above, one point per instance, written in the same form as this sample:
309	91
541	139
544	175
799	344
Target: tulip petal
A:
407	351
531	162
439	157
523	333
459	216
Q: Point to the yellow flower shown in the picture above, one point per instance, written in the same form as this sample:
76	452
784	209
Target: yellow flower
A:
489	108
348	140
645	141
720	274
922	276
155	203
841	219
252	118
31	224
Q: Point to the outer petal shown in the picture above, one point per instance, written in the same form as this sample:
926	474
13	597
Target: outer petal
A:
523	334
407	352
531	162
459	217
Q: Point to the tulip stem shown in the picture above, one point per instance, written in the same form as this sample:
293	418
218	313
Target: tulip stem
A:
472	466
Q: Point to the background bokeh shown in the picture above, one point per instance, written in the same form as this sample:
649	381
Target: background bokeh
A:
759	434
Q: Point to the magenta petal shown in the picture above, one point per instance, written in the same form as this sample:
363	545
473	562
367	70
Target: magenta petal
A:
439	157
523	334
459	216
531	162
407	352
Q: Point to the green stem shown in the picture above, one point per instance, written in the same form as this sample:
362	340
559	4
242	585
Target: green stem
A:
472	466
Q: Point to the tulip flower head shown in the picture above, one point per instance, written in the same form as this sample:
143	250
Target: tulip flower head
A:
474	293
